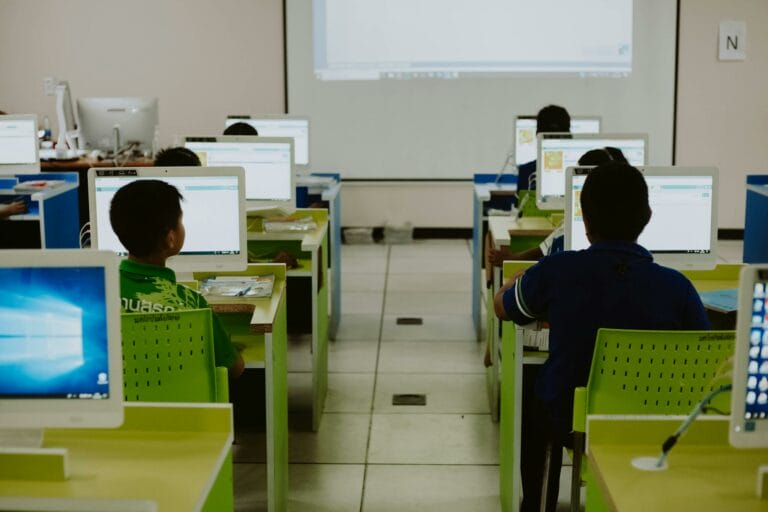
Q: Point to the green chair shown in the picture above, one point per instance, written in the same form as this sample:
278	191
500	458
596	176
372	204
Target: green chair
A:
648	372
168	357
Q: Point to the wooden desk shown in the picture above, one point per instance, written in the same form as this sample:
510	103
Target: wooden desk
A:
518	235
259	324
51	221
81	166
307	286
704	474
328	187
485	186
165	454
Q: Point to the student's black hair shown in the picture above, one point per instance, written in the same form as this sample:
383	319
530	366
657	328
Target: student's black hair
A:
602	156
553	119
177	157
614	201
142	213
240	128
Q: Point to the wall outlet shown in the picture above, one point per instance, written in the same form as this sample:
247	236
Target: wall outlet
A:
49	85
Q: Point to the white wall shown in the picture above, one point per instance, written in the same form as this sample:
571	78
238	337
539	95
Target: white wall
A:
722	109
203	59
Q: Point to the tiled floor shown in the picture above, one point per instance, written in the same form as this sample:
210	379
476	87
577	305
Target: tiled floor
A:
370	455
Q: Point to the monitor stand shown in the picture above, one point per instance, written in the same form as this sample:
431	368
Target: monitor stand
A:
23	458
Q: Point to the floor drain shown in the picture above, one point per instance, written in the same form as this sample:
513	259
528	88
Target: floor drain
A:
409	399
406	320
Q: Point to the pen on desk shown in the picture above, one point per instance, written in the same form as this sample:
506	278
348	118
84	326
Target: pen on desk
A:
243	292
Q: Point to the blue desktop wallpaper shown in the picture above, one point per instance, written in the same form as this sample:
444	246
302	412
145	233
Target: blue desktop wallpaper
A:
53	333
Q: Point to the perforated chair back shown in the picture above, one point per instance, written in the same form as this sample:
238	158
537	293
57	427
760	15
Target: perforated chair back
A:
168	357
655	372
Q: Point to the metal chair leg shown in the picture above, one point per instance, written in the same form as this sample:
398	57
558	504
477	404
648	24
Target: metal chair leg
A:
578	454
545	478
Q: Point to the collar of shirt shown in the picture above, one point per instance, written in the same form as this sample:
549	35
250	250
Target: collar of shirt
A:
630	248
143	271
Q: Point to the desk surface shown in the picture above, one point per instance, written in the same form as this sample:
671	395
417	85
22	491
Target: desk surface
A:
166	453
87	163
483	191
310	240
501	226
704	474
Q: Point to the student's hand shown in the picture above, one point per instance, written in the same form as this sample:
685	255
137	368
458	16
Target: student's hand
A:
497	256
14	208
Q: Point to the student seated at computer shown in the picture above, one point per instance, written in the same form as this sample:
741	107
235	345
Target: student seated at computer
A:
146	216
615	284
177	157
554	243
240	128
550	119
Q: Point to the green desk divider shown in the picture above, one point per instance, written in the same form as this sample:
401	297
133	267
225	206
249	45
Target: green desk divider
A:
44	464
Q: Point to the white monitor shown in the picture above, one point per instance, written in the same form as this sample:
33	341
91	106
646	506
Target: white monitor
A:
749	398
526	143
270	181
68	134
114	124
60	356
682	232
296	128
558	151
213	213
18	144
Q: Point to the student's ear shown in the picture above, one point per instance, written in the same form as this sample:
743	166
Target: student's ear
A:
171	241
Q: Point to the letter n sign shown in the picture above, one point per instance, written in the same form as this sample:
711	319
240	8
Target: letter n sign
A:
733	40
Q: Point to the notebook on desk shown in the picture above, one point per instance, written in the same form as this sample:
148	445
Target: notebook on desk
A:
724	301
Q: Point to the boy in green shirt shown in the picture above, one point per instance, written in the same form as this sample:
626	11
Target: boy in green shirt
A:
147	218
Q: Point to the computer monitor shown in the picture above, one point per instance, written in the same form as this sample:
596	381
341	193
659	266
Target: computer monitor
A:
294	127
213	213
558	151
682	232
68	134
270	181
18	144
60	356
114	124
749	398
526	143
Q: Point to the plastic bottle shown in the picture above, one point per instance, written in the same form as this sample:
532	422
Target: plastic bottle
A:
46	128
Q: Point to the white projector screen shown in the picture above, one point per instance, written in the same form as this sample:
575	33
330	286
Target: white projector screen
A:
452	123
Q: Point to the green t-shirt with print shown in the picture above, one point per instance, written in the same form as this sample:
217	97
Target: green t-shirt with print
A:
152	289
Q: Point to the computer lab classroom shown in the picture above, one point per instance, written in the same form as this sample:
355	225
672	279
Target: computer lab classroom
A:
361	238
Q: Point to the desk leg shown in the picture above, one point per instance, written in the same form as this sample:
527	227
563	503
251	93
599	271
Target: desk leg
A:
511	418
493	325
276	389
477	264
319	334
335	235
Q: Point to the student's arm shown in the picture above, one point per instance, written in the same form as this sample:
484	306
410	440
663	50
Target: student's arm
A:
15	208
519	299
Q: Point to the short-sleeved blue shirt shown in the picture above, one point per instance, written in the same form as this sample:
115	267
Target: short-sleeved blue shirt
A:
610	284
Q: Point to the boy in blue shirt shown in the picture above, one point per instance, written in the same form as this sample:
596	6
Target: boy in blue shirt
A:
615	284
550	119
146	216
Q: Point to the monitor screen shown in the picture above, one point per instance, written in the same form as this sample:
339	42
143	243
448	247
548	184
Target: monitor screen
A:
558	151
749	398
526	143
18	144
136	120
213	209
296	128
268	164
682	230
60	351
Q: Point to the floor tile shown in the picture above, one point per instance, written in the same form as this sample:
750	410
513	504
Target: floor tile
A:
359	327
446	393
432	489
434	327
427	303
350	392
360	282
362	303
437	282
433	439
431	357
442	265
299	354
316	487
352	355
342	439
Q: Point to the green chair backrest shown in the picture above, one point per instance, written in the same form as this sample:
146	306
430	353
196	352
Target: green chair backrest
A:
168	357
656	372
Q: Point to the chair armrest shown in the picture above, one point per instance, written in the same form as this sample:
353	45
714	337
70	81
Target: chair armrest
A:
222	385
580	409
